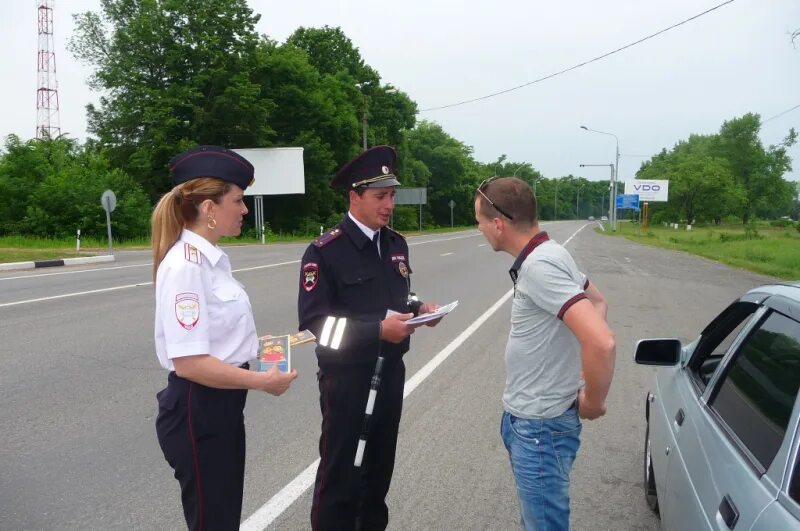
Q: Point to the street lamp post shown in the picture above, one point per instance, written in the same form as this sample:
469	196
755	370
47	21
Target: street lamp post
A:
555	202
388	90
615	177
578	202
534	186
611	194
514	173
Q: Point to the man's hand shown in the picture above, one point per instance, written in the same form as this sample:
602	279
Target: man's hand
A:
394	328
428	308
276	382
588	410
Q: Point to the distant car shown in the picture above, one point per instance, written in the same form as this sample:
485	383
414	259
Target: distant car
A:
722	439
591	218
604	218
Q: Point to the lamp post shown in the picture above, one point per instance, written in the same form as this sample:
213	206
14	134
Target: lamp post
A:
388	90
611	194
578	202
612	207
514	173
555	202
534	186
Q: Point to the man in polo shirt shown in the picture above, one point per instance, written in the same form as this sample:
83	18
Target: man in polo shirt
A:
558	336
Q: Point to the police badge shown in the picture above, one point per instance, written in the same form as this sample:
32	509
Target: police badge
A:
310	276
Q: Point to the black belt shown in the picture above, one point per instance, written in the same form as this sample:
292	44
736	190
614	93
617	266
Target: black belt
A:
245	366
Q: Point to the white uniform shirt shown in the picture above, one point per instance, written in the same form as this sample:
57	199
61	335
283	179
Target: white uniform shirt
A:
200	307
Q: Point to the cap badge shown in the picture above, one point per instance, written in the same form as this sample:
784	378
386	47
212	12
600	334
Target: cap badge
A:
385	170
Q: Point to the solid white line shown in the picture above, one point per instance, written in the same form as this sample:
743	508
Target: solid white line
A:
115	288
481	245
446	254
65	295
78	271
271	510
275	506
446	239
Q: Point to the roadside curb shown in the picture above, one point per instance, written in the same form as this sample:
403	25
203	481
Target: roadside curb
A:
15	266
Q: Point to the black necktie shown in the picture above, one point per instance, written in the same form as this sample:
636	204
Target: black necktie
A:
376	242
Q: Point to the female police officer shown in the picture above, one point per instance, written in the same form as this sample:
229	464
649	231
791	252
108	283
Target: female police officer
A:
205	334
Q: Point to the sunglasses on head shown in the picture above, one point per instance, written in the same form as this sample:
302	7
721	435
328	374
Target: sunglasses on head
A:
480	191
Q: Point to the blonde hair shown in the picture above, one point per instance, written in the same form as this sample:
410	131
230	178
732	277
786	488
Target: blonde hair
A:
180	208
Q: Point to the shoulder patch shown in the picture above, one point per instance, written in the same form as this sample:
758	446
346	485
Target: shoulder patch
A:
394	231
191	254
328	237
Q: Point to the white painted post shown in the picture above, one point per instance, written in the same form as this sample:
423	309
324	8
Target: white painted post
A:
78	241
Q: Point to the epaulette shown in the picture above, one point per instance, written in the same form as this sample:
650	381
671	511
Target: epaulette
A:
398	233
327	237
191	254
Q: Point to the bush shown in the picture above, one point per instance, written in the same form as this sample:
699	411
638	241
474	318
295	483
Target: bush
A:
781	223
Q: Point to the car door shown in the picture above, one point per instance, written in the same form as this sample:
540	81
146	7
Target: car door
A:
680	394
742	421
784	512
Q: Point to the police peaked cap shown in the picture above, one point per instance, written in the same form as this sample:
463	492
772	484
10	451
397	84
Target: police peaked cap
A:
212	161
374	168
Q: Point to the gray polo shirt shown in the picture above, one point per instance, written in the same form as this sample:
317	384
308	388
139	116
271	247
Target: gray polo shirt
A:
543	356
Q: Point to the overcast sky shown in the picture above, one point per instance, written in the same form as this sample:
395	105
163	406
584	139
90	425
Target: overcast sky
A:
734	60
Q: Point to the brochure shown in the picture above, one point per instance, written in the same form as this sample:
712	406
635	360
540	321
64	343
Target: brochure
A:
274	350
441	312
278	349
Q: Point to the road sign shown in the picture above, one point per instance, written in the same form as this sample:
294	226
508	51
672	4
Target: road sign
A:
109	201
628	201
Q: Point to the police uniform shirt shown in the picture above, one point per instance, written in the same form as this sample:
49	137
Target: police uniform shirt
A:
200	307
368	232
346	288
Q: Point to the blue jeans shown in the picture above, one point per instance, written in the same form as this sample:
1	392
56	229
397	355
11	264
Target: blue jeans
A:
542	452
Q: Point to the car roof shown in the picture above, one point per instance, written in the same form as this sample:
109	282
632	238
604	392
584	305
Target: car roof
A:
789	290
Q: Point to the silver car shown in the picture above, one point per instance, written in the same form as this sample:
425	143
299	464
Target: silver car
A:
721	444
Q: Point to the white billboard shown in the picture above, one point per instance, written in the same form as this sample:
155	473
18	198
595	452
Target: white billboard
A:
648	190
278	170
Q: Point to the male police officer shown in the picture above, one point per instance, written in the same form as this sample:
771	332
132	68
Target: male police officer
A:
350	278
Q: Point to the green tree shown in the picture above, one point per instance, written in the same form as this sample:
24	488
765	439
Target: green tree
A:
172	73
757	170
55	188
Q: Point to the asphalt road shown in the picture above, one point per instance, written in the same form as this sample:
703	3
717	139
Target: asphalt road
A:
79	377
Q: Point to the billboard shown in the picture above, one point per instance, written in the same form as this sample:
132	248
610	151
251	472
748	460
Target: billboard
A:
648	190
278	170
411	196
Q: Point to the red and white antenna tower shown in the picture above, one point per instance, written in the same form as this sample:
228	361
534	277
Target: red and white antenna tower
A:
47	125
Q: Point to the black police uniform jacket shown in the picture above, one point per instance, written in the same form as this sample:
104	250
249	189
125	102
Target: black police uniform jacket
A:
346	289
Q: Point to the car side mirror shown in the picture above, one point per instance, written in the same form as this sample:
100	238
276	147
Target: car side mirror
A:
665	352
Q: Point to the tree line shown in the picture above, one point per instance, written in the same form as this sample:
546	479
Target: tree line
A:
173	74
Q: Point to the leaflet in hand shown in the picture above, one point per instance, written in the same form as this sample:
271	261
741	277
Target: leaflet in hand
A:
278	350
274	350
437	314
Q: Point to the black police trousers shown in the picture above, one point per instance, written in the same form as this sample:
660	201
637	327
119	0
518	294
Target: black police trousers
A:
345	497
201	432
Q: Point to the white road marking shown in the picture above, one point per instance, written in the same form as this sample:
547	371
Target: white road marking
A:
481	245
446	254
77	271
115	288
275	506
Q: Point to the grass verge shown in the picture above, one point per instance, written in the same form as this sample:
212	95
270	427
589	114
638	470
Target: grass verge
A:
773	251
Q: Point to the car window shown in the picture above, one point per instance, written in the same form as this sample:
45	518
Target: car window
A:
794	485
756	394
717	338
